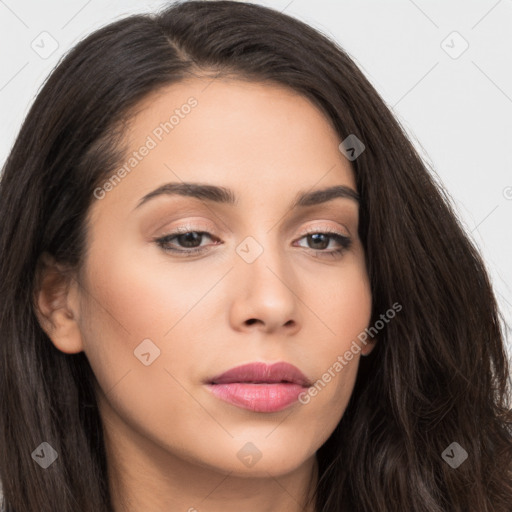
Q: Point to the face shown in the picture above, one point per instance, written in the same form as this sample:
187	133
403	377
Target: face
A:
182	285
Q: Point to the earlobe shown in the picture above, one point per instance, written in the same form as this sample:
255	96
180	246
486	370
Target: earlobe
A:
56	304
368	347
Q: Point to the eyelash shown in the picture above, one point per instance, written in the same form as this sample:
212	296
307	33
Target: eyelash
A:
344	241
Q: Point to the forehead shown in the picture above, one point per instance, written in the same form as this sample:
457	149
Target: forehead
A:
259	139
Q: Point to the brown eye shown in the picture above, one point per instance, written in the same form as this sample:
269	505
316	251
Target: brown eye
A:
319	241
183	241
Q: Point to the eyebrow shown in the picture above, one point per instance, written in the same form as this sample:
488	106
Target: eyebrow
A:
223	195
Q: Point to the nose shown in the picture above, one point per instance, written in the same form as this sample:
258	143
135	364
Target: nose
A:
265	296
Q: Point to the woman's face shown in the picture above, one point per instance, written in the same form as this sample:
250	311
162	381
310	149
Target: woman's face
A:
159	321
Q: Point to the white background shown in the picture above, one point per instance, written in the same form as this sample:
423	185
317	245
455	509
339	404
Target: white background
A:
457	111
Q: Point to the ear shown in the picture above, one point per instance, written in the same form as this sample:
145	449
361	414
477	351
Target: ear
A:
369	346
56	304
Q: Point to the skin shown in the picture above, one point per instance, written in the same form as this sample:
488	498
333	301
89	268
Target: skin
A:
171	444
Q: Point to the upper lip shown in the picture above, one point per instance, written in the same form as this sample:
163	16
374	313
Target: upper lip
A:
262	373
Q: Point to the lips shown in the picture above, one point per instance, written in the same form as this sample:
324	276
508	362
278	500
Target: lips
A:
262	373
260	387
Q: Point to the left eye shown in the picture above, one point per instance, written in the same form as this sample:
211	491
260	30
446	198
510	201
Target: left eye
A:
322	240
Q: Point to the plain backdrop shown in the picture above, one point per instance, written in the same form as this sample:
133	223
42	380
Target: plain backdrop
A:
444	68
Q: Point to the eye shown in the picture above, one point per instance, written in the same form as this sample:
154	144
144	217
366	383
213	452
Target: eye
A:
186	238
320	240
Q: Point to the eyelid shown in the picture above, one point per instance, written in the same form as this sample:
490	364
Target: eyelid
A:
186	228
325	228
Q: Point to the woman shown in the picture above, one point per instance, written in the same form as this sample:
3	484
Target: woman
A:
333	345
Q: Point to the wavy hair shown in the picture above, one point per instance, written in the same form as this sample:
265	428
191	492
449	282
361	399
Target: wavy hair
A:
439	373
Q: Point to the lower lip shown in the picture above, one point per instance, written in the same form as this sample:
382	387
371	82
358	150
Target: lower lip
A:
258	397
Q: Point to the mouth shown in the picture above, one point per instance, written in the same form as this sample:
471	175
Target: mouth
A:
260	387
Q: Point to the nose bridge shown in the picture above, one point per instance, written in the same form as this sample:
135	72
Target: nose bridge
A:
263	260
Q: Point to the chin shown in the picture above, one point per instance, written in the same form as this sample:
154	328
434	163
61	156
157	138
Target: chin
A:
263	458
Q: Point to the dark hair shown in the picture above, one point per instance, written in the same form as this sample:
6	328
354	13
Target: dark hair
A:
439	372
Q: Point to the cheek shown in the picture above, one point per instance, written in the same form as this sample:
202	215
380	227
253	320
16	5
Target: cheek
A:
132	305
142	296
345	314
138	297
344	305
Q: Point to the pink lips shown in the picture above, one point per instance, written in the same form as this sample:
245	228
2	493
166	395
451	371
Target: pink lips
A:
260	387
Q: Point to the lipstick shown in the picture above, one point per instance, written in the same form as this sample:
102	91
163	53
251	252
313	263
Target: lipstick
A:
260	387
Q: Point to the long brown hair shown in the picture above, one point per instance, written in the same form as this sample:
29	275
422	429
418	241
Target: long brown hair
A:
439	372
